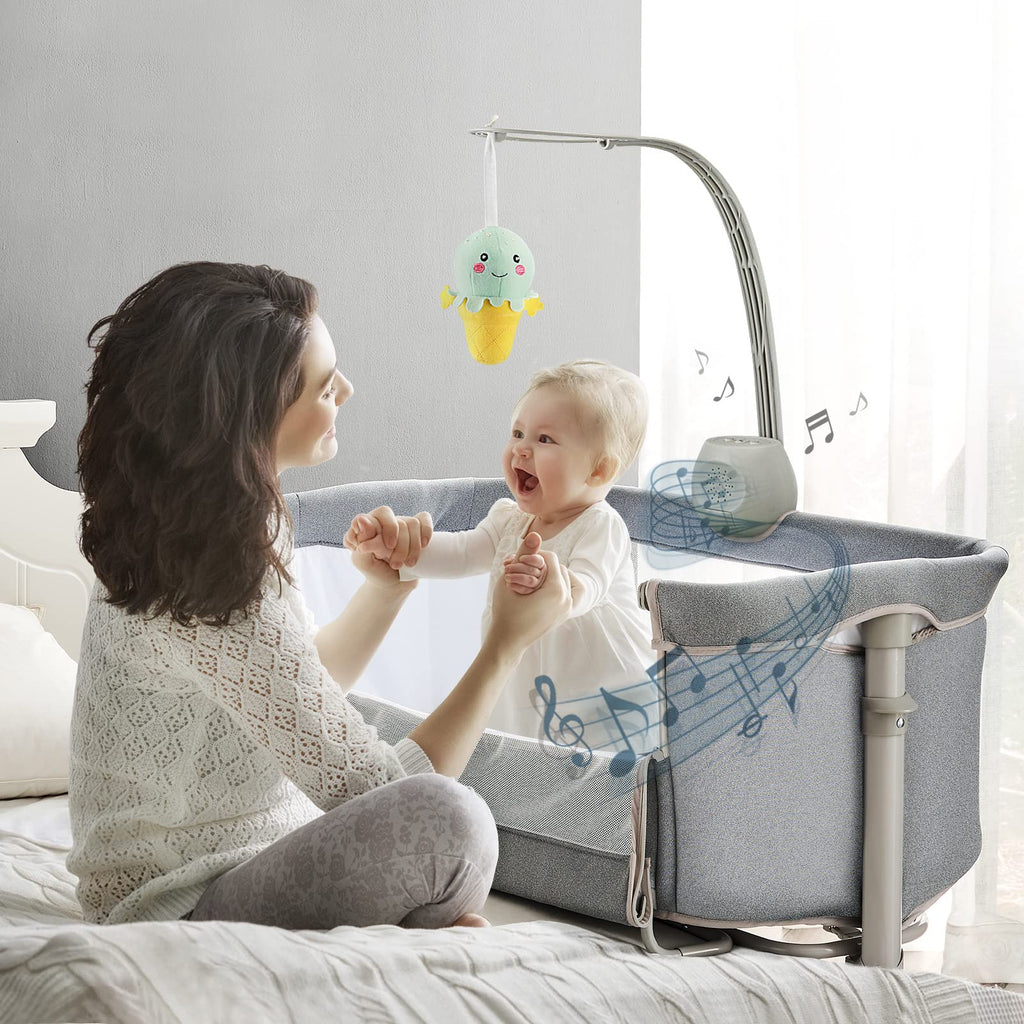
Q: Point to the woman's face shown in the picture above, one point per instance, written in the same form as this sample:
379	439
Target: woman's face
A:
306	435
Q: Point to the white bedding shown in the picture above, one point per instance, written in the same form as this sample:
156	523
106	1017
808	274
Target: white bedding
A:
55	968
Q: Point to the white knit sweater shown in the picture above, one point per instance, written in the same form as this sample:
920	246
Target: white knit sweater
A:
195	747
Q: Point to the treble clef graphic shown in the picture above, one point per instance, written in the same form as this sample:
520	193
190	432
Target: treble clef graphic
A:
568	725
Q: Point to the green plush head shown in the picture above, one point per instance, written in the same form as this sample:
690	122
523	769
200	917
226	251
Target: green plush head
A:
494	263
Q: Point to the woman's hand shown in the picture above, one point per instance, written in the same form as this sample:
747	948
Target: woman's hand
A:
525	571
518	619
381	542
449	734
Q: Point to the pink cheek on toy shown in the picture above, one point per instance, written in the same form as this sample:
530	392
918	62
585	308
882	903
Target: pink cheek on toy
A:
520	270
478	268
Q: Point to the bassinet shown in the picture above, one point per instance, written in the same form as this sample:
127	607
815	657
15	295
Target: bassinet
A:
761	807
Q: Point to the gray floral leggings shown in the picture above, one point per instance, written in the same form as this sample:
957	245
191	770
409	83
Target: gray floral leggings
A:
418	852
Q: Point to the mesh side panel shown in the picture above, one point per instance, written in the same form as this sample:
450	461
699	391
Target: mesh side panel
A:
532	788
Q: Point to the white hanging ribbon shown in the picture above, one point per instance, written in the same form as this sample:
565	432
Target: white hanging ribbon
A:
490	180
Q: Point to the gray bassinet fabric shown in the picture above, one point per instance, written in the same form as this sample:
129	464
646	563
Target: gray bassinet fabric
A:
756	807
948	579
769	828
572	853
323	516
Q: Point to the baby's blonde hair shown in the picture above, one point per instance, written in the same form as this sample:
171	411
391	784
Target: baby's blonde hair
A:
615	399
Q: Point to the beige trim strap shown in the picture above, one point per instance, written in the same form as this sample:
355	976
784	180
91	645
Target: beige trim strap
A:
639	862
649	599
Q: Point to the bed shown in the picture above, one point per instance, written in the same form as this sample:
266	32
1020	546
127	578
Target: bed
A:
538	963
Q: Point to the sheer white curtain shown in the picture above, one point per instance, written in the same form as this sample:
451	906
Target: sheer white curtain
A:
878	150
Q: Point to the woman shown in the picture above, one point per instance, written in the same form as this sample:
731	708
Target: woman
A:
217	770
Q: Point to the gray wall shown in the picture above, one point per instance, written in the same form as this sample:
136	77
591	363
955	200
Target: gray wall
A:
329	139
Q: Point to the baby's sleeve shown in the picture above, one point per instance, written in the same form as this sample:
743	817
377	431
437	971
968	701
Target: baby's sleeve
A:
466	553
595	560
268	676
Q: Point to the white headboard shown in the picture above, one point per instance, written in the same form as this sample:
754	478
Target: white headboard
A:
41	565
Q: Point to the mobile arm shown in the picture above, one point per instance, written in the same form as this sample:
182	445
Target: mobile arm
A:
748	263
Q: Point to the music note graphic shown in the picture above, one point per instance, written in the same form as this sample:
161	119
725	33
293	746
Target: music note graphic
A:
752	723
703	361
698	682
829	594
656	673
860	398
572	725
778	671
623	762
800	640
815	599
815	421
732	389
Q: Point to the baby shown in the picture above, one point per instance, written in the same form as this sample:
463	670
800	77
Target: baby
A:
575	431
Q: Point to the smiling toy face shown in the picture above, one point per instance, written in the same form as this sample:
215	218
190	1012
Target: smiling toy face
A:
494	263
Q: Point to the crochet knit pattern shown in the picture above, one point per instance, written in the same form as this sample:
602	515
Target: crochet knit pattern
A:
195	747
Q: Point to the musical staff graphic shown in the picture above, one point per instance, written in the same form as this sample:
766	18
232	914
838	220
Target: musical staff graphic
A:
702	699
692	510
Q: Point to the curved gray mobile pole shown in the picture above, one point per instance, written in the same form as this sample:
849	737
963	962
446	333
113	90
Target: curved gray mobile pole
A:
748	263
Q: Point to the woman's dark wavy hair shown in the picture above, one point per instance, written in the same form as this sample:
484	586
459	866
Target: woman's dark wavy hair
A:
177	459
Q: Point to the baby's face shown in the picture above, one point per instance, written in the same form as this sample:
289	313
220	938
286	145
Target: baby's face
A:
549	459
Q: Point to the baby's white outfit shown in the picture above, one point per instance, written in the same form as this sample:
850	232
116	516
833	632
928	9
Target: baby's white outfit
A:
606	641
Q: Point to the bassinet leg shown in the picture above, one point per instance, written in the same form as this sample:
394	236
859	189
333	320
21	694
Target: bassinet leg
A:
884	709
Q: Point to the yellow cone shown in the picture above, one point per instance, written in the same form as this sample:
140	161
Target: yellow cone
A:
491	332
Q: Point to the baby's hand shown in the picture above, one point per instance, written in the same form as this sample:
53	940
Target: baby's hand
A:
525	571
365	535
369	535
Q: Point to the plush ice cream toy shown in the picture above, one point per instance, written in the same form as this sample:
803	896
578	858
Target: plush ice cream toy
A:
493	274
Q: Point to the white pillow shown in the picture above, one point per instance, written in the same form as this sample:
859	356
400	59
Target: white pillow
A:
37	689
